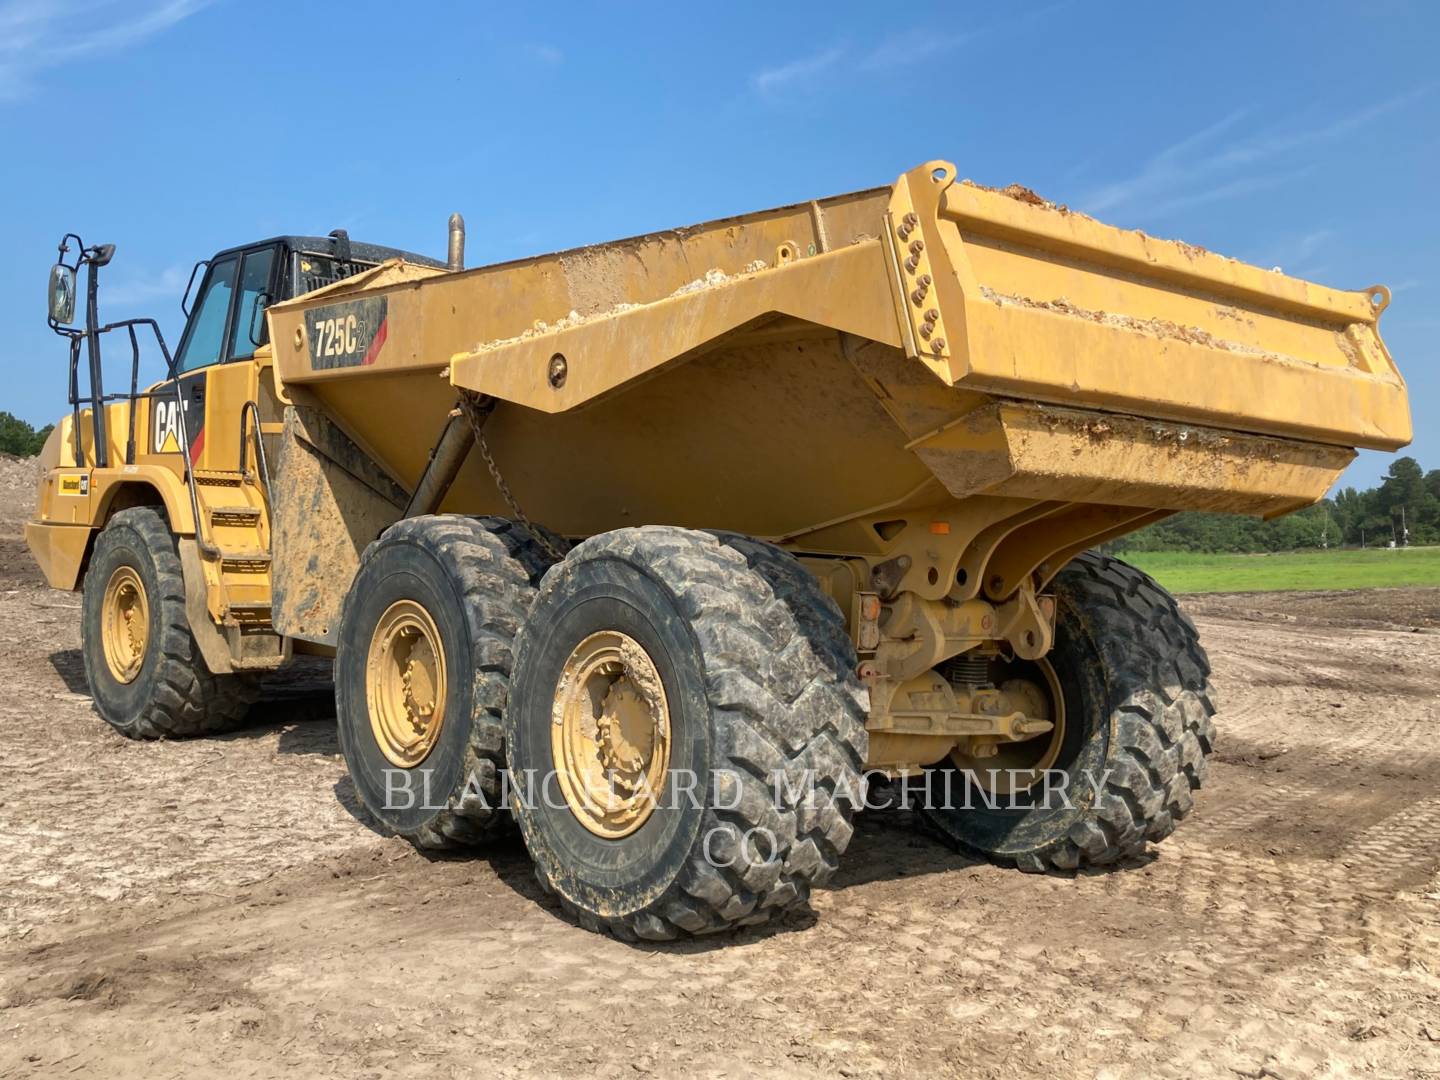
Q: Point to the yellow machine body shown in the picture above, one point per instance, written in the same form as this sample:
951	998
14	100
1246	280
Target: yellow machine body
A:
934	393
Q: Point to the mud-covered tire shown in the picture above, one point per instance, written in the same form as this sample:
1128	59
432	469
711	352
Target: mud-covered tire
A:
476	578
174	695
762	694
1136	679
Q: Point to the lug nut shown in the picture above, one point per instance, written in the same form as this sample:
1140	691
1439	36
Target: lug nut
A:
927	330
932	315
939	344
925	280
911	220
918	296
911	263
917	247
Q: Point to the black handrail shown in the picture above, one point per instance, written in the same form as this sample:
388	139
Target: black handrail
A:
97	396
250	408
93	258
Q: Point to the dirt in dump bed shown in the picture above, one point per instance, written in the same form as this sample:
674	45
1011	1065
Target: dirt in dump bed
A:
222	906
1156	328
1021	193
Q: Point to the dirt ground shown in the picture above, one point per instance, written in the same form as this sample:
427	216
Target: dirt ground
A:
221	907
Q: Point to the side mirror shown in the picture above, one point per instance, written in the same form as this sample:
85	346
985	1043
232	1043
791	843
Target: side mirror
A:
62	294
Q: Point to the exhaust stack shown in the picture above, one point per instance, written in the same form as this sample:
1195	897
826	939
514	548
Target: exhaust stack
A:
455	253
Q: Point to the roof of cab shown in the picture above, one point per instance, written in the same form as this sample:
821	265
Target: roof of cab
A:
325	245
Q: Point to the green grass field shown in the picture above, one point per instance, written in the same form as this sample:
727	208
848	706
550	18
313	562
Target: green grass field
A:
1372	568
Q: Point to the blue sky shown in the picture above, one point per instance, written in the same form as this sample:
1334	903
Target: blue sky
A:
1300	135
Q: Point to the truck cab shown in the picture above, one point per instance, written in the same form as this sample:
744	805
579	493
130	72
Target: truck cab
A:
225	324
191	447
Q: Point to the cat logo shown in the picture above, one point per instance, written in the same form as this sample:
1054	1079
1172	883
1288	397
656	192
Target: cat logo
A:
75	484
167	422
167	427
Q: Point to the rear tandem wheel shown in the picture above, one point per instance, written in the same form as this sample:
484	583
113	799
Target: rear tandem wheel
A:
422	672
672	682
1133	743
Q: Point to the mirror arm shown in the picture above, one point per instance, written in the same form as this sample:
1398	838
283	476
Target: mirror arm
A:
97	388
75	398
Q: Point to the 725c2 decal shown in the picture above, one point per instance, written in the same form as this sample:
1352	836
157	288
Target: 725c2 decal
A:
348	334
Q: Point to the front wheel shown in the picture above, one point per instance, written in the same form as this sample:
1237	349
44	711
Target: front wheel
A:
146	675
1129	693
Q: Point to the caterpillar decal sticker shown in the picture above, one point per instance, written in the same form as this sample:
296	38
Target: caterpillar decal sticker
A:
165	416
347	334
75	484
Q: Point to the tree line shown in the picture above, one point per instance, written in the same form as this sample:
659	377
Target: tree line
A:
19	438
1403	508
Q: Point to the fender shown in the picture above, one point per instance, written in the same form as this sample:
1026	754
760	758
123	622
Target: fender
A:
129	485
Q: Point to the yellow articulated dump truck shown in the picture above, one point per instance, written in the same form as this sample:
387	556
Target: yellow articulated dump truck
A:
660	550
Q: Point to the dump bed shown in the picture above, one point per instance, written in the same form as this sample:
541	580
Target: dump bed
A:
790	370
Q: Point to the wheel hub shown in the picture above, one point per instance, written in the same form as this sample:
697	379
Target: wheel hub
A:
406	684
1012	767
125	624
610	736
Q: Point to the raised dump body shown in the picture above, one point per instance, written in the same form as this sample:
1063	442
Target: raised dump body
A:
852	375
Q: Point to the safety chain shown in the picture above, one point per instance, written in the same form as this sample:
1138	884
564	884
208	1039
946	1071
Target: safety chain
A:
477	409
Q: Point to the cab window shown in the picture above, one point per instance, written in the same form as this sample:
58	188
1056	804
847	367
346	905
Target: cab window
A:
250	329
205	334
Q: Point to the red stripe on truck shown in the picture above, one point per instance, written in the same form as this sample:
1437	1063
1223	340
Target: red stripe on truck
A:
374	350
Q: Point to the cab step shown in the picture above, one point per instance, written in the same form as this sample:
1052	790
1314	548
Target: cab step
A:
219	478
234	516
254	645
250	617
245	561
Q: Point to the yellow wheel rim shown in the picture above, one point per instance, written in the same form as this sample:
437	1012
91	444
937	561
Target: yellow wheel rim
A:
1018	765
125	624
405	684
610	735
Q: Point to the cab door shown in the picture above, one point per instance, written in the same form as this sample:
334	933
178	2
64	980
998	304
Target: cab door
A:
226	325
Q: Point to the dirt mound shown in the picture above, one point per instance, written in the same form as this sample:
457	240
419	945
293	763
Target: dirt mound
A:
18	477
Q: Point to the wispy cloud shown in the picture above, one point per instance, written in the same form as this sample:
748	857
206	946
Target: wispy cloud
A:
1221	162
1229	189
797	72
143	288
1302	255
547	54
37	35
900	50
1165	171
897	52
